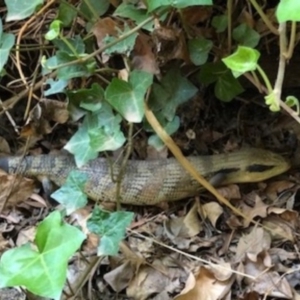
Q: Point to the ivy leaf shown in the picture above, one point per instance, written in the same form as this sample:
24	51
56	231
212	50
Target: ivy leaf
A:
55	243
154	4
100	131
173	91
128	97
56	86
199	49
7	41
71	194
110	227
19	10
243	60
288	11
246	36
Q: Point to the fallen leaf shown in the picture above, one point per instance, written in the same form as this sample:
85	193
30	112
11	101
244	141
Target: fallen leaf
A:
259	209
184	227
276	187
212	211
267	282
14	189
143	56
252	244
205	286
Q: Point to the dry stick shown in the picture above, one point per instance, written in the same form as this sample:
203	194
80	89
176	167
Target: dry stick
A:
196	258
281	66
15	99
123	166
264	17
23	28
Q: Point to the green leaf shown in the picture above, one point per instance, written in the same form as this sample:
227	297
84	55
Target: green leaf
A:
56	87
7	41
43	270
66	13
243	60
293	101
71	193
220	23
69	51
246	36
54	31
111	227
127	98
19	10
199	49
95	9
124	46
79	146
128	10
100	131
154	4
84	69
85	99
226	85
288	10
72	46
210	72
173	91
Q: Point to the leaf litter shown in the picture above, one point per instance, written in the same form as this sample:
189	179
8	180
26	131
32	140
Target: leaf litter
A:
189	251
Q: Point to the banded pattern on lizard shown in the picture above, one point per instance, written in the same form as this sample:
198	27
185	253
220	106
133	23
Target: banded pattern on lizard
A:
152	182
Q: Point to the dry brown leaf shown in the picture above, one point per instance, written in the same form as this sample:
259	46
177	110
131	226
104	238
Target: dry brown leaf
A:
231	191
143	56
196	14
4	243
247	18
184	227
40	116
26	235
279	255
259	209
205	285
212	211
252	244
104	27
267	282
143	246
290	216
147	282
276	187
54	110
16	188
171	44
296	296
283	223
251	296
4	146
81	216
120	277
279	228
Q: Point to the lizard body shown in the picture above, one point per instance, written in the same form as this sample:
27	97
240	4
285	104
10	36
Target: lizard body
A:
155	181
